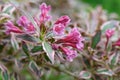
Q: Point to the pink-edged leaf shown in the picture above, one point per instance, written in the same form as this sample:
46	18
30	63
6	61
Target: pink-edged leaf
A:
96	39
8	9
34	68
85	75
25	48
114	58
27	37
105	71
109	25
14	42
4	71
49	51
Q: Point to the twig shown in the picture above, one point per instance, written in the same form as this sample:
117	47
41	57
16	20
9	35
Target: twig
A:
32	55
62	70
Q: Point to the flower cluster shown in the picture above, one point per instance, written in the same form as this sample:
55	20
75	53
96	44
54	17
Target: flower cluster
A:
10	27
67	44
26	25
72	39
109	33
23	22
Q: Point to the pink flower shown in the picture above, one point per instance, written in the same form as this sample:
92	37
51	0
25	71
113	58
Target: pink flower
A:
60	24
73	39
44	12
58	29
10	27
23	21
55	46
117	43
109	33
63	20
26	24
70	54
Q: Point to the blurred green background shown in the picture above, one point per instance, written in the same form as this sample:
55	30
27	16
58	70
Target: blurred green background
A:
110	5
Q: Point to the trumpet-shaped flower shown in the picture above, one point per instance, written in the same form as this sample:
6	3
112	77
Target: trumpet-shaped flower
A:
10	27
63	20
58	29
73	39
109	33
117	43
70	54
44	13
26	24
60	25
23	21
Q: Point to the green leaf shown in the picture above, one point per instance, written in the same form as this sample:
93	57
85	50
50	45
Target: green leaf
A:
109	25
27	37
4	72
105	71
96	39
36	49
5	75
49	51
114	58
33	66
8	9
14	42
25	48
49	34
85	75
3	19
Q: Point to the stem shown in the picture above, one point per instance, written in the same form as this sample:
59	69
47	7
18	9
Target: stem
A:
110	78
83	63
61	70
31	55
57	68
106	43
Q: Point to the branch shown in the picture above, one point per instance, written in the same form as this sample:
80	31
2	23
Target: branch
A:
61	70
